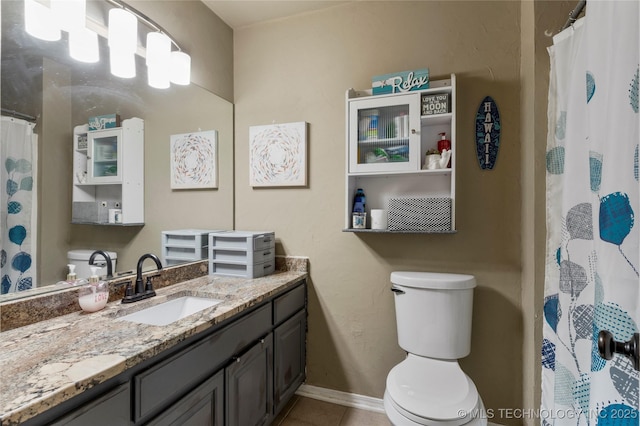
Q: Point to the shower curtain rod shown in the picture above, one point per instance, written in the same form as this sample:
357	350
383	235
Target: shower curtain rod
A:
573	16
16	114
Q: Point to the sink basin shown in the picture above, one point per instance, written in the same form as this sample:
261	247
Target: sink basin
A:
171	310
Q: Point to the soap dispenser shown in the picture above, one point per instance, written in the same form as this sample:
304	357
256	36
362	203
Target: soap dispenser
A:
72	278
93	296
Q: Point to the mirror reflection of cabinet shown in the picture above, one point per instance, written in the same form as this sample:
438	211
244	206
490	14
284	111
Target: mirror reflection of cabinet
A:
108	174
104	156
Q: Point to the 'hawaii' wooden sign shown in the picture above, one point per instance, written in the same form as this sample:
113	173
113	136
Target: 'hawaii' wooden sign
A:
487	133
400	82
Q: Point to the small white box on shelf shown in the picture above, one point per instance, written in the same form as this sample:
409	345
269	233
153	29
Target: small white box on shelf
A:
242	253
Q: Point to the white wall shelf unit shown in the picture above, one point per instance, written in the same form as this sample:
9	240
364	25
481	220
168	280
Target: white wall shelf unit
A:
387	140
108	173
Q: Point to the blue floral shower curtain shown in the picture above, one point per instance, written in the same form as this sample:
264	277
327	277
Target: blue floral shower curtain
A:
18	158
591	276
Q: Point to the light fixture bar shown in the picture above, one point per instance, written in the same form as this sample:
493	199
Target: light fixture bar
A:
145	20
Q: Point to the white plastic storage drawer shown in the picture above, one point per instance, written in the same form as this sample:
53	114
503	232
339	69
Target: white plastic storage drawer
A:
185	245
242	253
242	269
250	257
243	240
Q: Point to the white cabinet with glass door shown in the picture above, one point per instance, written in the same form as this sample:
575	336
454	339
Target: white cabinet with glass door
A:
108	174
104	156
388	139
380	136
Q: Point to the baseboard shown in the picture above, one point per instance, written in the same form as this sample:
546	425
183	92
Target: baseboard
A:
341	398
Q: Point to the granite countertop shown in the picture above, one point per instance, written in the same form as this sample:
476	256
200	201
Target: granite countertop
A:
46	363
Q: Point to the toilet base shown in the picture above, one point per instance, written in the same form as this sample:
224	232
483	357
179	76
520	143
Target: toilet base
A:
397	419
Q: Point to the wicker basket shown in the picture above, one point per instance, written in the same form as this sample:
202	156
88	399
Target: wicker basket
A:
419	214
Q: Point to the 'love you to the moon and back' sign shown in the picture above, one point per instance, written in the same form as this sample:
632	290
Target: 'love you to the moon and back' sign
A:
487	133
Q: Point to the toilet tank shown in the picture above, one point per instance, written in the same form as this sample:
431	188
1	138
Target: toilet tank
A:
433	313
80	258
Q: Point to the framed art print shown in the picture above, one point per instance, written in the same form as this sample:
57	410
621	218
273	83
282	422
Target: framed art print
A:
278	154
194	160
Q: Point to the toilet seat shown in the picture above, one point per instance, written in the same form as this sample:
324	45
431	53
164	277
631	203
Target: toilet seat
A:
428	390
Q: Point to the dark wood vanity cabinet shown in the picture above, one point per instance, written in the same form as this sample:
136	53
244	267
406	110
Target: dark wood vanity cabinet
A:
240	374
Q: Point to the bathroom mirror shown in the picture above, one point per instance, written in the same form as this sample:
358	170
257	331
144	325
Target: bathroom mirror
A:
40	80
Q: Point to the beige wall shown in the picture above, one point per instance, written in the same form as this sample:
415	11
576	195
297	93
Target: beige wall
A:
298	70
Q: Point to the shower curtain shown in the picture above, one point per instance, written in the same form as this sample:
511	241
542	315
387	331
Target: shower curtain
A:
18	158
592	257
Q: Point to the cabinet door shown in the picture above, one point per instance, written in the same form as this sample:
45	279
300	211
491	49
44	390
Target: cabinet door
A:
104	159
249	386
289	351
384	134
111	409
203	406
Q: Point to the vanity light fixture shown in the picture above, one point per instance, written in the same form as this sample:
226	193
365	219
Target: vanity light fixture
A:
164	66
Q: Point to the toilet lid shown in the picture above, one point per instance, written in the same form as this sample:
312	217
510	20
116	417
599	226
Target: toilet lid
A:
432	389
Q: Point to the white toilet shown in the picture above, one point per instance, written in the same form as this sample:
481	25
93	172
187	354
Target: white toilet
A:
80	258
433	315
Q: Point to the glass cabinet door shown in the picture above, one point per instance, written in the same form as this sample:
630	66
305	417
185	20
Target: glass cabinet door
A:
104	164
383	135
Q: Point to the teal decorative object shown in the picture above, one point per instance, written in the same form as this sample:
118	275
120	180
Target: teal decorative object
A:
400	82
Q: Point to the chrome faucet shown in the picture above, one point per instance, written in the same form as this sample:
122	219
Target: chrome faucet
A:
107	259
141	291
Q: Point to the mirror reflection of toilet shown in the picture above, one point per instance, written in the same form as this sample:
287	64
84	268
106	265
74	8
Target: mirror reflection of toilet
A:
433	316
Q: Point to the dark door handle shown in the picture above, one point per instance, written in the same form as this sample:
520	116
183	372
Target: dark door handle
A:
607	346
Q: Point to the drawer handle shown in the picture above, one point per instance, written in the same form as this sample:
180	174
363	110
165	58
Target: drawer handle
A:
266	266
266	253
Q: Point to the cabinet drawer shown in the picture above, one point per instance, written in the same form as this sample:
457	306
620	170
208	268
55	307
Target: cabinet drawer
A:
264	241
111	409
257	256
242	240
241	269
187	237
202	406
289	303
185	253
165	382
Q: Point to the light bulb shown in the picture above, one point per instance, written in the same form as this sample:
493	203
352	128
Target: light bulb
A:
123	31
158	49
83	45
70	14
122	64
158	77
180	68
39	22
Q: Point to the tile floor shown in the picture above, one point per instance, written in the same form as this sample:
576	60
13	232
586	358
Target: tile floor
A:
302	411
